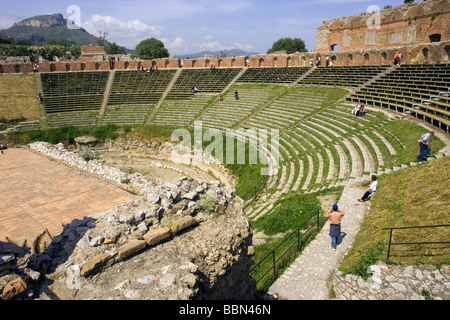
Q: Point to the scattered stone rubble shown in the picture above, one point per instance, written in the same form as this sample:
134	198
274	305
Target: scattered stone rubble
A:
160	245
389	282
95	166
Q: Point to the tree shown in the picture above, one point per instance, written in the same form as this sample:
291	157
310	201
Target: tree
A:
114	48
409	1
152	49
289	44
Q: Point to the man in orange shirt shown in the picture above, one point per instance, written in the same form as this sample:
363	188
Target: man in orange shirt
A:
335	215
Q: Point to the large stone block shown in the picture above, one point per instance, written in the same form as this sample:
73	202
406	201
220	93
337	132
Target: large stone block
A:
155	236
131	247
95	263
182	223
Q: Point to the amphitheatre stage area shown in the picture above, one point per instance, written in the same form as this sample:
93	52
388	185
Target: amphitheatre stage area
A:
40	194
210	229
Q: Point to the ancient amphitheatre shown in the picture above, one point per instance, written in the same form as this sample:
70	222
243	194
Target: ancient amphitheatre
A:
322	146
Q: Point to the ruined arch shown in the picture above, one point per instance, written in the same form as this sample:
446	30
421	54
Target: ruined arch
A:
334	47
52	67
261	62
366	58
68	65
16	68
126	65
289	62
97	66
233	61
194	63
383	57
166	64
447	51
425	52
83	67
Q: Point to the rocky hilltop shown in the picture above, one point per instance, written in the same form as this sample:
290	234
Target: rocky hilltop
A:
45	21
40	30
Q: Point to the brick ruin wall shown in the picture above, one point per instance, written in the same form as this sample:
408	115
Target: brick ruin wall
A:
420	31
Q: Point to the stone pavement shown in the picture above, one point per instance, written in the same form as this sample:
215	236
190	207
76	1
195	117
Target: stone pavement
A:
37	193
309	276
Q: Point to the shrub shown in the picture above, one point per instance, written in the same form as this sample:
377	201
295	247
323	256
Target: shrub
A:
87	154
206	202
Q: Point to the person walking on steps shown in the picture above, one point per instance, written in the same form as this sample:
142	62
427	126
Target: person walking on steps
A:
424	146
334	214
372	189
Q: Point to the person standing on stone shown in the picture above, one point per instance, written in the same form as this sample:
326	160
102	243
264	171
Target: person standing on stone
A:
424	147
334	214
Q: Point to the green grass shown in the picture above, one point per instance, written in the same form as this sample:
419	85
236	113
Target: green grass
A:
63	134
416	196
290	214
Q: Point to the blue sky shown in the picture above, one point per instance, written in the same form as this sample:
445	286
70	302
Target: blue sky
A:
190	26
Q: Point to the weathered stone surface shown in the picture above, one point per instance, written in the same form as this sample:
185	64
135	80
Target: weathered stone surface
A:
95	263
131	247
155	236
15	287
86	141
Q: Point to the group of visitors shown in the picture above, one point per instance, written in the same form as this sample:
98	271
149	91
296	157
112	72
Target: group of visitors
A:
328	62
335	214
397	58
359	110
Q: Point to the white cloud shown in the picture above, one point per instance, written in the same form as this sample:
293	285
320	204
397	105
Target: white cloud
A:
176	46
125	33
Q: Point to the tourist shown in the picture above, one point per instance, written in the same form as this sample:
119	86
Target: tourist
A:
41	98
400	58
236	95
311	64
194	89
328	61
355	110
370	190
335	215
361	111
424	146
396	58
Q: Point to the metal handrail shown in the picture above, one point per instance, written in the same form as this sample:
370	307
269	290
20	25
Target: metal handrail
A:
406	243
272	253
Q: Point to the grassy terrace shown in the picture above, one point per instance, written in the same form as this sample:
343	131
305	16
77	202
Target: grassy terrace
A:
415	196
18	98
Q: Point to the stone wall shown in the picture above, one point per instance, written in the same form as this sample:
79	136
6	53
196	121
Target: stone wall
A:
409	24
389	282
162	245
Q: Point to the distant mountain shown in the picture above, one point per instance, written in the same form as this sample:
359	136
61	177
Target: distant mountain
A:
228	53
43	29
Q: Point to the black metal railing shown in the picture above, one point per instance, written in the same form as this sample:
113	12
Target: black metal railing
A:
254	192
410	243
299	236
